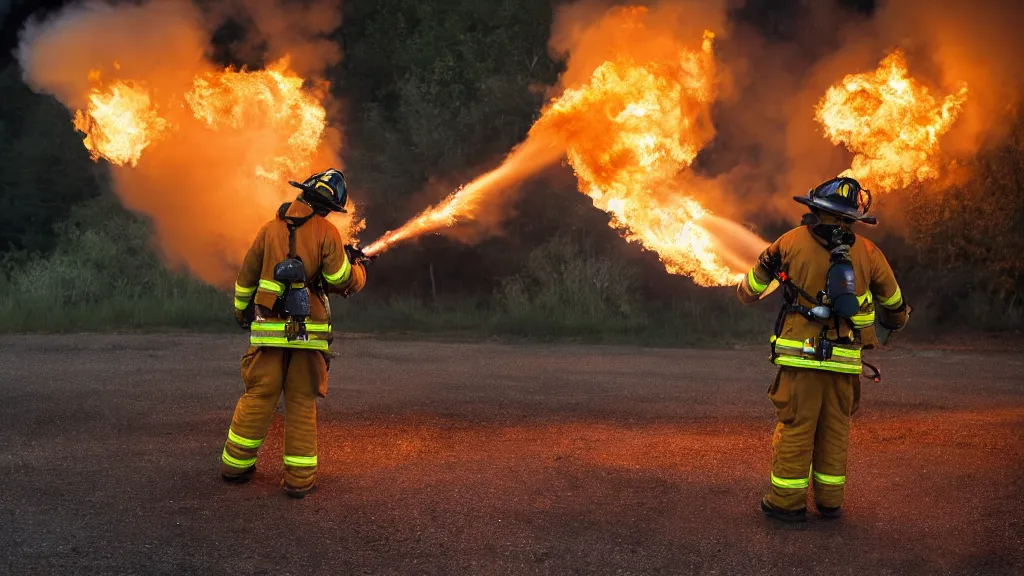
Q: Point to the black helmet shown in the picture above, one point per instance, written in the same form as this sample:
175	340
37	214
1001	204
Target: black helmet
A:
841	196
326	190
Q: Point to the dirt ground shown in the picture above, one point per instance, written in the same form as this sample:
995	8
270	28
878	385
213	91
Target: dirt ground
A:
441	458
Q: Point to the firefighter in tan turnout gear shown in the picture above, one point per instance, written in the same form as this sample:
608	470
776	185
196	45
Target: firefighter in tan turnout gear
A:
832	280
281	296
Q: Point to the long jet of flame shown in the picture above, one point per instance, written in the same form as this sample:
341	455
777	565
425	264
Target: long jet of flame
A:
628	133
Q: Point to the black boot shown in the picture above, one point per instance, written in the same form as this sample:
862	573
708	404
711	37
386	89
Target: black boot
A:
242	478
297	493
830	512
783	515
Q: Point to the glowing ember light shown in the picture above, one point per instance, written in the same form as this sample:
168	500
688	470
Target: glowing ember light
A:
274	98
891	122
120	122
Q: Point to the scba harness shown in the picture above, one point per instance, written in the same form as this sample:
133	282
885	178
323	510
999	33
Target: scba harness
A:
293	301
833	307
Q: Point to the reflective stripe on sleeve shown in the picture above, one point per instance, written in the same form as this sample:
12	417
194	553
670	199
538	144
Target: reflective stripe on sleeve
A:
272	286
789	483
235	462
755	285
300	461
241	304
242	441
243	291
893	301
863	320
829	480
342	275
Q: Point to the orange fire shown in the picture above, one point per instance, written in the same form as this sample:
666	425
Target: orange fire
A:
122	119
628	133
273	97
120	123
891	122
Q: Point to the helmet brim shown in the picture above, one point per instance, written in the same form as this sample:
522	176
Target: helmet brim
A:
317	200
838	211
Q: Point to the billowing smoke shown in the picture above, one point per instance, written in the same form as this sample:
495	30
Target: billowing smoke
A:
204	152
951	49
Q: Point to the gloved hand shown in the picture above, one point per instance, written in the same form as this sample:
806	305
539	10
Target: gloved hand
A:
357	256
771	261
241	319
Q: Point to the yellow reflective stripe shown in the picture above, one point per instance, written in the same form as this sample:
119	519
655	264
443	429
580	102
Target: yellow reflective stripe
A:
865	298
302	461
789	483
755	285
798	345
863	320
894	300
280	327
342	275
243	291
282	342
241	304
243	442
829	480
831	366
272	286
235	462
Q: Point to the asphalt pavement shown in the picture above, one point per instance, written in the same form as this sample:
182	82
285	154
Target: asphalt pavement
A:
445	458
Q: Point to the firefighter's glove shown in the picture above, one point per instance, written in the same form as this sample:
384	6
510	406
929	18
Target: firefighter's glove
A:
770	261
242	320
357	256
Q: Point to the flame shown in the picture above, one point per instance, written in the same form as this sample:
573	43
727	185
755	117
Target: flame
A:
628	133
274	97
121	121
466	202
891	122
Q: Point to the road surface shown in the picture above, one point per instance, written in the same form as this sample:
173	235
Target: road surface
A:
441	458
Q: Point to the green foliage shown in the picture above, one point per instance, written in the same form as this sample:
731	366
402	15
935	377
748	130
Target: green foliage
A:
103	275
966	251
44	169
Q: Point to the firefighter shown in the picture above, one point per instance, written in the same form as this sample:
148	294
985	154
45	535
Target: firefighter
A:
281	296
832	280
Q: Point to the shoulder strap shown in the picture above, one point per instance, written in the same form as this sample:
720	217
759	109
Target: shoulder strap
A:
293	224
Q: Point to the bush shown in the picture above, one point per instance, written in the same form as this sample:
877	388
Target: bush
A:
103	275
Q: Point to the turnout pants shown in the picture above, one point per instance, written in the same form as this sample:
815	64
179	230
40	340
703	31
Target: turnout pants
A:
266	372
813	409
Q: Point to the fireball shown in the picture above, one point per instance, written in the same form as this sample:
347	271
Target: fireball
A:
120	122
891	122
274	98
630	131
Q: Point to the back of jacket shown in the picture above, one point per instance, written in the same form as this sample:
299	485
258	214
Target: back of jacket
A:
805	258
317	243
